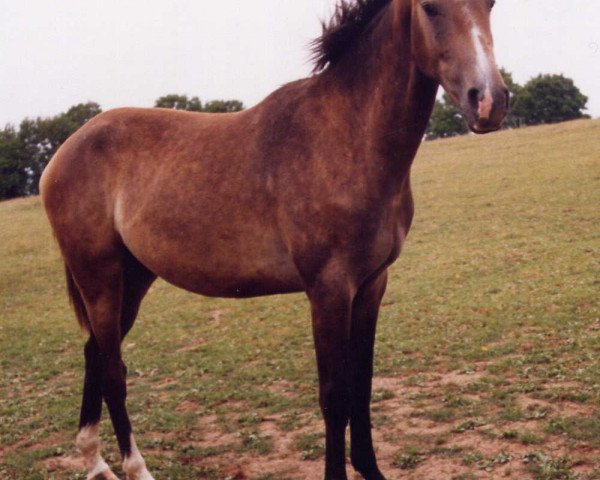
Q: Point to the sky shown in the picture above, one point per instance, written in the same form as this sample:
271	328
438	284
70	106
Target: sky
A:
55	54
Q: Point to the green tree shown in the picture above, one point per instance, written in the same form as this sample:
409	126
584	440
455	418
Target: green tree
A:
13	172
549	99
193	104
82	113
446	120
511	121
223	106
40	138
179	102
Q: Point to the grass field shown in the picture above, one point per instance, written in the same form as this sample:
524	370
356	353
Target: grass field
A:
488	351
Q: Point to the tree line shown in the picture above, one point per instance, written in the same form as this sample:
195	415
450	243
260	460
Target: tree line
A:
25	151
543	99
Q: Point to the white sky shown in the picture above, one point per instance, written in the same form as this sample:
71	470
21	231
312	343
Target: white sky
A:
54	54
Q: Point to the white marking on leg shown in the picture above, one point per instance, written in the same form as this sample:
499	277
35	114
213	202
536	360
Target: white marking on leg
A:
100	467
88	443
134	464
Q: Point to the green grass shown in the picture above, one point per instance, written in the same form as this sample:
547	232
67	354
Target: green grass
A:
408	458
500	272
311	445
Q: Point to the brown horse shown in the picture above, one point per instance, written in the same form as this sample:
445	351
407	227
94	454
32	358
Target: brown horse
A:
307	191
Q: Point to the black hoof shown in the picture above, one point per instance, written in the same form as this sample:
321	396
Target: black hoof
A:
108	475
372	475
336	476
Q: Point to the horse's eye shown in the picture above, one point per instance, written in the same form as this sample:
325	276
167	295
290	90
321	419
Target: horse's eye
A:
430	9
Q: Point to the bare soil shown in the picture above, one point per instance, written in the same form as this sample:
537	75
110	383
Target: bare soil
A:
479	452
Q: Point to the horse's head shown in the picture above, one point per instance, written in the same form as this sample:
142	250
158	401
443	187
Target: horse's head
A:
453	44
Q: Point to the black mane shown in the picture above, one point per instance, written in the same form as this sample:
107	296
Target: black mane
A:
350	19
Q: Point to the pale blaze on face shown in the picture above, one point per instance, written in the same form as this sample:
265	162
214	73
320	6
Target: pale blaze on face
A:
452	43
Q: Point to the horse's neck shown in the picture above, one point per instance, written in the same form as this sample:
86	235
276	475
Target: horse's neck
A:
393	99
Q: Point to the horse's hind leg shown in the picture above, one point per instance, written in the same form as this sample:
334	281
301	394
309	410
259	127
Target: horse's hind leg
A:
137	280
88	440
95	289
106	286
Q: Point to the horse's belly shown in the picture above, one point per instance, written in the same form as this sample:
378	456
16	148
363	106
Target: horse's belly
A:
234	279
241	284
218	265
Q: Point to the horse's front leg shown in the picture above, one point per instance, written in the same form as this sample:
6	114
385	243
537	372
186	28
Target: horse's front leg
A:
331	306
365	309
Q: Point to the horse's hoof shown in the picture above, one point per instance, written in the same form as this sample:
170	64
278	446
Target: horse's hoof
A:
342	476
373	475
336	478
105	475
376	476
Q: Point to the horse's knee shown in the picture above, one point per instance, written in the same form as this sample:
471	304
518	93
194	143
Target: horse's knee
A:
91	354
114	374
335	402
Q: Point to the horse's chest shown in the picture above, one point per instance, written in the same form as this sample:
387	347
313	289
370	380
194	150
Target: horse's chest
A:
387	246
394	227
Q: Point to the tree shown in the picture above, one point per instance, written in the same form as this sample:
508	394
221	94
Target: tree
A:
179	102
193	104
549	99
223	106
511	120
446	120
40	138
13	173
82	113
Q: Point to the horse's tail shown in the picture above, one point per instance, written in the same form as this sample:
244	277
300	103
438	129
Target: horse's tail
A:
77	301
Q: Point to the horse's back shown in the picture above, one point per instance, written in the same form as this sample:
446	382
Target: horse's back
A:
132	151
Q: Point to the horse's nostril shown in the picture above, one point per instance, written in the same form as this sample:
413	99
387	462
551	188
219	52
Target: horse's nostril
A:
474	98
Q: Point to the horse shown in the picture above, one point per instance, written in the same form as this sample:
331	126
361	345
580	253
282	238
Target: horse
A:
308	191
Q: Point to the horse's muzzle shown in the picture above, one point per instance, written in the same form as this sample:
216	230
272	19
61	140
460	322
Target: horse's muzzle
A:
486	108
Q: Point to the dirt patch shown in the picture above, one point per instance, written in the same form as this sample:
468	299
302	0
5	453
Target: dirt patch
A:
282	461
479	452
409	446
212	434
216	316
189	406
283	388
66	462
27	444
462	378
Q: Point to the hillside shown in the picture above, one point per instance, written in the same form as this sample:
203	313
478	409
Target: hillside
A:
488	353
